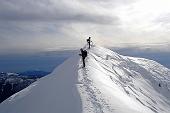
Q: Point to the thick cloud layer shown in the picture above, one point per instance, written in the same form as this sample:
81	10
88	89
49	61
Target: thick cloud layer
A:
50	11
54	24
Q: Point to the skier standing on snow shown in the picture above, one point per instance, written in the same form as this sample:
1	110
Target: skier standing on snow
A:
89	41
83	55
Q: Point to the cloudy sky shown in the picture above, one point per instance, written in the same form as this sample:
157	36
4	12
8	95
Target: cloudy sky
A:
40	25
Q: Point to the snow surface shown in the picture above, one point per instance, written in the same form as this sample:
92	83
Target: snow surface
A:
110	83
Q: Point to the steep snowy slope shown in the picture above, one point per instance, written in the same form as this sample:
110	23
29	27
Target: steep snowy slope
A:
110	83
54	93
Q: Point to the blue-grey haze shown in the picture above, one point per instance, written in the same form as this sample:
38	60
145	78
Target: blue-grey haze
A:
47	61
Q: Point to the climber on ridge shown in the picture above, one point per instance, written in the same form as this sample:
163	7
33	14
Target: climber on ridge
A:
83	55
89	41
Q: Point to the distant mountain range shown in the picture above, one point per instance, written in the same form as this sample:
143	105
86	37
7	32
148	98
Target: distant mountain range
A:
11	83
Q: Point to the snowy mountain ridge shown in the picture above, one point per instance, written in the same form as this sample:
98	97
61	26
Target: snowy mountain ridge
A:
110	83
10	83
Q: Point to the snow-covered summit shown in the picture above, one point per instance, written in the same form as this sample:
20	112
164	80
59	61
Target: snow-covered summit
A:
110	83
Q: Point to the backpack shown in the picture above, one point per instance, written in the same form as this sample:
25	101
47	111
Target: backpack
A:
85	53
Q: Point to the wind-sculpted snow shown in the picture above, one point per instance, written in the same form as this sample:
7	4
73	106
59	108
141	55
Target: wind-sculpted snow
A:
110	83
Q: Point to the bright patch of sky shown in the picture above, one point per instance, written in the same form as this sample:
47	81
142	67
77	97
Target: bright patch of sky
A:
42	25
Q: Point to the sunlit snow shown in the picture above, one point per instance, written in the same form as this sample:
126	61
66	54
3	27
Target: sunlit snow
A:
110	83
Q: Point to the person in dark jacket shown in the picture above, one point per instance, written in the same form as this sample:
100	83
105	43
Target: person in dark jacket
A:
89	41
83	55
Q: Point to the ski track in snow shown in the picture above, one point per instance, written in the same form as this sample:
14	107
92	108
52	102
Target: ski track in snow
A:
93	93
